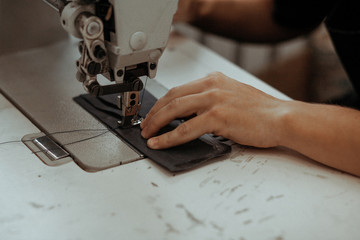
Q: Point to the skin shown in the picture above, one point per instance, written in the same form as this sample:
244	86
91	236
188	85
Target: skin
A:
229	108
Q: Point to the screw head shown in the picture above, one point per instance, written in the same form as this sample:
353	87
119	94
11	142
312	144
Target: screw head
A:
153	66
120	73
138	85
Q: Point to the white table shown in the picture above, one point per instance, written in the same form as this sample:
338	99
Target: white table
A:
249	194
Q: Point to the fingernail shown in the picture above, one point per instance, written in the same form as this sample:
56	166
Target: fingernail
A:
153	143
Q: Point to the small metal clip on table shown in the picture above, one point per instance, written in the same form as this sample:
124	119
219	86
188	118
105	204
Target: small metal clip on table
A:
249	194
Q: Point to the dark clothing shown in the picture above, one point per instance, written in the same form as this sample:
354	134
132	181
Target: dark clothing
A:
302	14
342	19
343	24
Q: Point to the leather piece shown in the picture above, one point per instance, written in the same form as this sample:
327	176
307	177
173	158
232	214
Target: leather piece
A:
174	159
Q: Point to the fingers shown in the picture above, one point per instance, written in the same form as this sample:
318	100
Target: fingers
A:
186	132
213	80
177	108
177	92
192	98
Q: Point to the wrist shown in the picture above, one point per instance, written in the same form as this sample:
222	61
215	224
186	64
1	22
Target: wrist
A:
286	122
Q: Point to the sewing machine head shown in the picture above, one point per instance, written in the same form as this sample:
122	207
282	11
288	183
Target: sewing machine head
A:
122	40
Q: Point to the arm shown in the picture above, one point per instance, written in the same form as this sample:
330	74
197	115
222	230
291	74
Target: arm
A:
325	133
228	108
243	20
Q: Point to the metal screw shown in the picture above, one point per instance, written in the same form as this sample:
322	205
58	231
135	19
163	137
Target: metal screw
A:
133	96
153	66
138	85
120	73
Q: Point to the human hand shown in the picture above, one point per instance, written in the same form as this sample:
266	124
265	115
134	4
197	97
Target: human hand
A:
222	106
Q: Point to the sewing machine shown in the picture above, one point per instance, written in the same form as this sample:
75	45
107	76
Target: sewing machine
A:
122	40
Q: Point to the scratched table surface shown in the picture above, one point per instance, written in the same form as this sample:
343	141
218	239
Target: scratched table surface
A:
249	194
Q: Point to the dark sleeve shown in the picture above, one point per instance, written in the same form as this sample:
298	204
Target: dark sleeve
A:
345	17
343	25
301	14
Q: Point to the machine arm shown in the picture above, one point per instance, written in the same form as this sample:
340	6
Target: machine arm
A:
122	40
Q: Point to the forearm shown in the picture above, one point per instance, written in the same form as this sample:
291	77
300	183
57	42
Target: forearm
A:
225	107
327	134
243	20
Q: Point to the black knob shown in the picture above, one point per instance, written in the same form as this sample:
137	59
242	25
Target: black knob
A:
99	52
94	68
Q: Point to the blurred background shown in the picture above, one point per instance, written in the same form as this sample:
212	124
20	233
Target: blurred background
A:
306	68
25	24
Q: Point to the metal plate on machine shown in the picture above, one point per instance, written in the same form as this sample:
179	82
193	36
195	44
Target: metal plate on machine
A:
41	83
46	149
